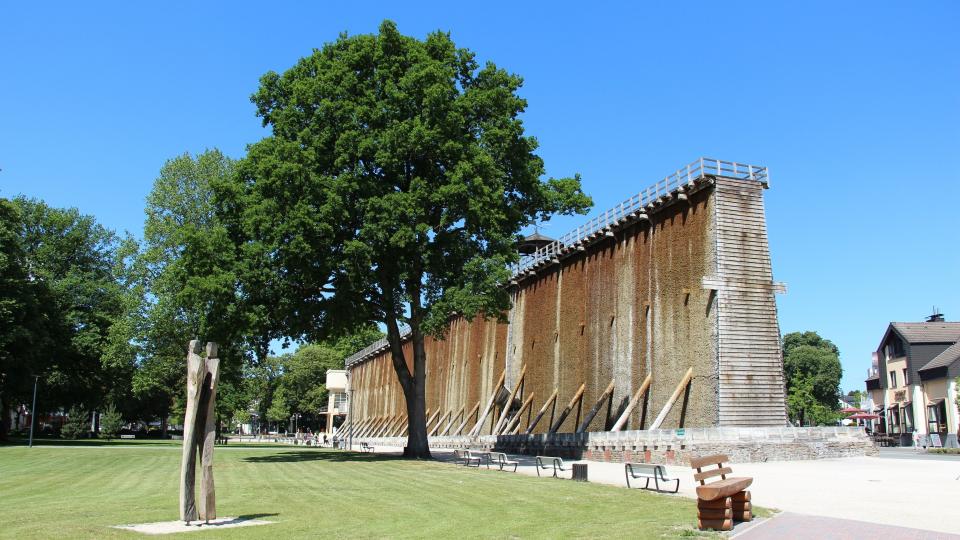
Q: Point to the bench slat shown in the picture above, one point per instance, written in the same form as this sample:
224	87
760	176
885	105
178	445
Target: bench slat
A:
700	477
723	488
716	459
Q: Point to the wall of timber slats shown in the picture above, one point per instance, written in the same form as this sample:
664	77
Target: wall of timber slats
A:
750	360
627	306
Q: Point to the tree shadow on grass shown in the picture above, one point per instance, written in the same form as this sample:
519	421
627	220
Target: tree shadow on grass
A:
313	455
248	517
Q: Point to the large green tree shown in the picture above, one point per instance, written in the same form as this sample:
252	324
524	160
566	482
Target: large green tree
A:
72	260
187	276
392	190
812	370
26	316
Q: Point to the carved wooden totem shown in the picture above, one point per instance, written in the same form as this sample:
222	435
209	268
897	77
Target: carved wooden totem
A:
199	433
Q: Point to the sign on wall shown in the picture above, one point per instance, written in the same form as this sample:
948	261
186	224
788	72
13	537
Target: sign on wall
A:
900	395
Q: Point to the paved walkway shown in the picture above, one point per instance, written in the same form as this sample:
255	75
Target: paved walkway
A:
790	526
911	493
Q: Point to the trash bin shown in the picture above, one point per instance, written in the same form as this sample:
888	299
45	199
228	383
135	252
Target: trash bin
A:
580	472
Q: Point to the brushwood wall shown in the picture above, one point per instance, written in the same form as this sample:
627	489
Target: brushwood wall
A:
687	286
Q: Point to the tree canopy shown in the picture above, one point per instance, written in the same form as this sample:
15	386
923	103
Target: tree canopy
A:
812	371
393	189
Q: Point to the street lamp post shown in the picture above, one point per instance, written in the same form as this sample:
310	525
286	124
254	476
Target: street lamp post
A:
33	410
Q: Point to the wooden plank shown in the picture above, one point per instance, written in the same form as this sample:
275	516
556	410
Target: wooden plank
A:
622	421
473	411
715	524
453	418
596	407
486	410
701	476
687	377
432	418
715	513
506	406
536	419
513	426
722	503
577	397
436	428
713	459
723	488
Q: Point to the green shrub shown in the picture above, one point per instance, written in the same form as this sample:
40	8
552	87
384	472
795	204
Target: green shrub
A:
76	424
110	423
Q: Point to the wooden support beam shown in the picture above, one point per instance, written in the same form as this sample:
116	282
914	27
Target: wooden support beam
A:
513	426
551	400
399	426
436	428
431	419
358	426
506	406
375	430
566	411
676	393
373	426
473	411
382	432
607	394
385	427
453	418
486	410
622	421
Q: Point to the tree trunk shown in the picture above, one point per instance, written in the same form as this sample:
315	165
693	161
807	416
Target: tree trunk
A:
5	418
414	389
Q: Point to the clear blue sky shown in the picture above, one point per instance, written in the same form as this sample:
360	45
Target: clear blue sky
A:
854	106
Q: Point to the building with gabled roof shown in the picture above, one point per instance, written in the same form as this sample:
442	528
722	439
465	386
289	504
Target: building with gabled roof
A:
913	380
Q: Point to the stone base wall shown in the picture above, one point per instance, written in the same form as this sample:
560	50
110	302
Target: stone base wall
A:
671	447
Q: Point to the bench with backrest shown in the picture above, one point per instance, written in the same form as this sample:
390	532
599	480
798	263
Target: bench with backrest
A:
364	447
472	456
649	471
723	501
548	462
500	460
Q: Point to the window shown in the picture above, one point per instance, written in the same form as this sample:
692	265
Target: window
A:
906	413
937	417
932	423
898	347
893	379
895	420
905	381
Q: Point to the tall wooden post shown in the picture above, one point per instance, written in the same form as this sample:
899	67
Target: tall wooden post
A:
199	433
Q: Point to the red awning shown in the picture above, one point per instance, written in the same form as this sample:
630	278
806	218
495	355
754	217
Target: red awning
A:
850	410
864	416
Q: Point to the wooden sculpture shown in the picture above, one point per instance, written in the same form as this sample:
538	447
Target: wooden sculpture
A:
199	433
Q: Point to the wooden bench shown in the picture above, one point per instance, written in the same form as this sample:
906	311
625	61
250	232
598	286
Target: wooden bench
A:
724	501
648	471
364	447
500	459
548	462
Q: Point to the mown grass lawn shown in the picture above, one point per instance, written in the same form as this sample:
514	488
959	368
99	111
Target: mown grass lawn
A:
80	491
